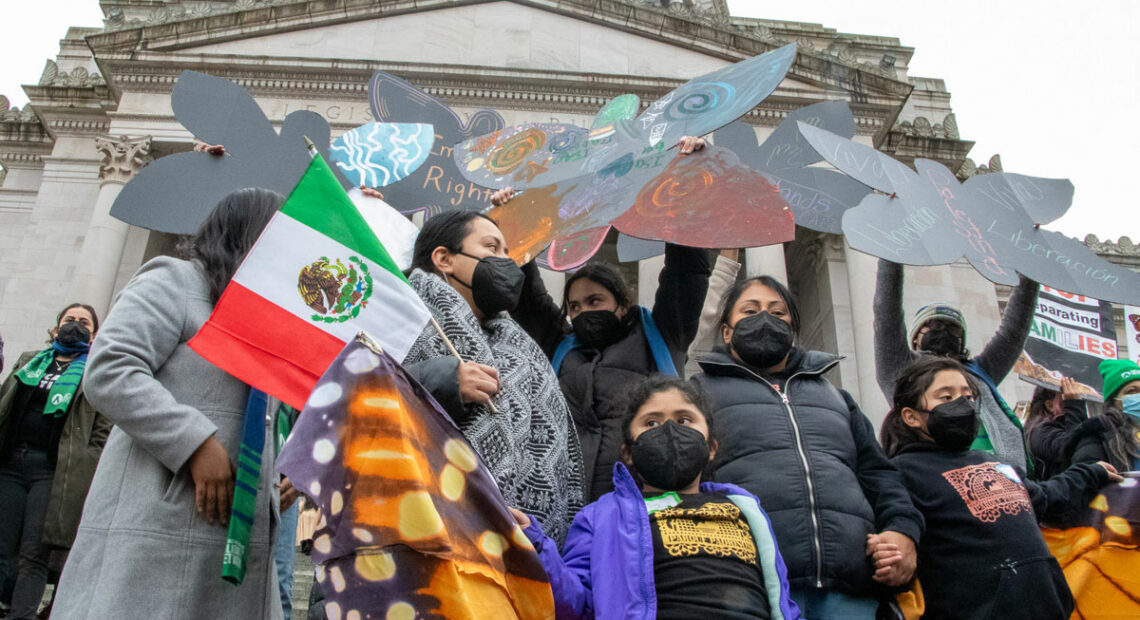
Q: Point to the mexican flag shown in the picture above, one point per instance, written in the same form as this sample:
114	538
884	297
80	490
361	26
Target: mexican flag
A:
315	277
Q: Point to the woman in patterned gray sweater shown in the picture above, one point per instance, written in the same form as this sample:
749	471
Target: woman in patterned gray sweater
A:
504	395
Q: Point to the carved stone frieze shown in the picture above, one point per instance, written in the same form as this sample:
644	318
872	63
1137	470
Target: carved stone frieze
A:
10	113
122	157
969	168
922	127
79	77
1123	247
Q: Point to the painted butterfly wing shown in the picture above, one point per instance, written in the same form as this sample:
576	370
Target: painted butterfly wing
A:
528	155
715	99
632	249
787	148
217	111
1043	199
379	154
437	185
709	199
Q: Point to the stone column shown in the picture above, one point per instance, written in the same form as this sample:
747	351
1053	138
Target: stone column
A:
861	276
102	250
766	261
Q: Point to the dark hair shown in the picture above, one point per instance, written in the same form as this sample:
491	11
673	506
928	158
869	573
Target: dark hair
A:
228	233
770	282
603	275
447	230
909	390
59	317
1038	408
1120	442
657	383
90	309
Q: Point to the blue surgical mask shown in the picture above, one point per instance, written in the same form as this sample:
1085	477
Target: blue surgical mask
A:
1130	404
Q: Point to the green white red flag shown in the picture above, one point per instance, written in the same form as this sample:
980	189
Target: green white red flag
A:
315	277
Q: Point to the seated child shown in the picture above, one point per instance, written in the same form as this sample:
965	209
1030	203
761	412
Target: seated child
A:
664	544
982	554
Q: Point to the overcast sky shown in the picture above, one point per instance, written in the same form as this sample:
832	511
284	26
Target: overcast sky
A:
1050	85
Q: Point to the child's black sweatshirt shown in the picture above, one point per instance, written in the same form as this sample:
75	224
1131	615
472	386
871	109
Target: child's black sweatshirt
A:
982	555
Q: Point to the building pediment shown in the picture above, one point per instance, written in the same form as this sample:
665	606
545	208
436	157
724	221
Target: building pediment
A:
584	36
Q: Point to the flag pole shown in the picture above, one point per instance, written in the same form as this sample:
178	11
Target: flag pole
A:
439	330
451	348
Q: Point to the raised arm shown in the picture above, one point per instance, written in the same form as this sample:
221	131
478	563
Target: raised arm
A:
538	314
892	351
1002	351
681	289
145	326
720	283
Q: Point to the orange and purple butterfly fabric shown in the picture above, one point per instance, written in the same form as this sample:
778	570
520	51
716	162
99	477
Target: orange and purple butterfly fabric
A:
1100	555
413	525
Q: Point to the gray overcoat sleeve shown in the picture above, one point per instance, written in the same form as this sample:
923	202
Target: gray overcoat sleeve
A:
146	324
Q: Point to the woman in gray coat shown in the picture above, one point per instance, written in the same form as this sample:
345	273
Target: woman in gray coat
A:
153	531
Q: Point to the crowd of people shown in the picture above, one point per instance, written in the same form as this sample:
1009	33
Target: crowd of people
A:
754	488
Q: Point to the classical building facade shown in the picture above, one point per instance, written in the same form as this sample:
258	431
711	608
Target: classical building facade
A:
101	111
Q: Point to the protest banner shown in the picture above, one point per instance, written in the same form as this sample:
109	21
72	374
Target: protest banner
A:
1069	337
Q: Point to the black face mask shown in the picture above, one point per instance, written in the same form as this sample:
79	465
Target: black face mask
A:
598	329
496	284
762	340
954	425
941	341
670	456
73	334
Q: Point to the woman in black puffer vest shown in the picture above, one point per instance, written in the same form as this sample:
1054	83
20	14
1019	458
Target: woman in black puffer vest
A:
806	450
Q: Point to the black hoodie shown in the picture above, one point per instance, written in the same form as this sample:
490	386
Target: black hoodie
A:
982	554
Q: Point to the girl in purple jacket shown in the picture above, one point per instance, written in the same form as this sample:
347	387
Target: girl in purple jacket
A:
663	544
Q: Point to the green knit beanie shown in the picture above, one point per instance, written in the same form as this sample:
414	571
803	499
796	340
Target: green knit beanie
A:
939	310
1116	374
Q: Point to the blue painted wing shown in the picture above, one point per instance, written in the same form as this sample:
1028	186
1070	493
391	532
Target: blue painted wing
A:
715	99
379	154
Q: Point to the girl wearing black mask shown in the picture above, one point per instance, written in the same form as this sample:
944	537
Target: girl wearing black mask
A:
792	438
982	554
503	394
665	543
611	342
50	440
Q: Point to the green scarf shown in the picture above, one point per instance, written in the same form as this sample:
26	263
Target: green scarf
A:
64	388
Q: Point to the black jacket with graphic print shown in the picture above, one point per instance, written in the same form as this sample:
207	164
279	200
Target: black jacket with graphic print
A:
982	555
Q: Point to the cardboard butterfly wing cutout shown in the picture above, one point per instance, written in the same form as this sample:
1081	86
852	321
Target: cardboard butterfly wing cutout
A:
616	170
176	193
437	185
379	154
706	103
572	251
818	196
926	217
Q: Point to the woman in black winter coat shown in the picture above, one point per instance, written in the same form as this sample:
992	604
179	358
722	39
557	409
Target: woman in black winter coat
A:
1053	418
982	555
612	343
805	449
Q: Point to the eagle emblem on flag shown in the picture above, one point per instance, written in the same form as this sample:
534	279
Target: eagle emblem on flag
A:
334	290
